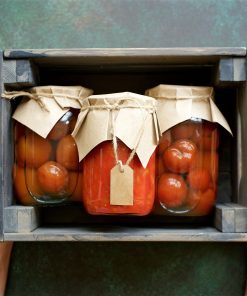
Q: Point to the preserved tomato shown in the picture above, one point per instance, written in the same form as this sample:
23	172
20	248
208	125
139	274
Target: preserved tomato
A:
20	187
32	150
67	153
172	190
46	170
179	156
97	166
53	178
187	168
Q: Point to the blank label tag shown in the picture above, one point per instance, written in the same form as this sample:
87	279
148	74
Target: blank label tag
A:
121	192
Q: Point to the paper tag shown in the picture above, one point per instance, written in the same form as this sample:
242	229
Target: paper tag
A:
122	189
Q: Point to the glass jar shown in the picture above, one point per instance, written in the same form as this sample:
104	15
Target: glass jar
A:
46	170
97	166
187	168
116	135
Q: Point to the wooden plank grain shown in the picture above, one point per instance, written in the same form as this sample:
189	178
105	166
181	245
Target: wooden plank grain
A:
124	56
1	152
126	234
111	52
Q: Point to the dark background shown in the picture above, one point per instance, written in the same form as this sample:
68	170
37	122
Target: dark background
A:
55	268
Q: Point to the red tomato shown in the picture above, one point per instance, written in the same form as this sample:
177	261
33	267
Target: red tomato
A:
184	130
205	202
32	150
67	153
96	181
160	167
164	143
53	178
179	157
25	181
206	136
172	190
199	179
19	130
208	160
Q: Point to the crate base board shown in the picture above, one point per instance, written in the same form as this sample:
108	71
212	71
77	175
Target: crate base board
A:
126	234
24	223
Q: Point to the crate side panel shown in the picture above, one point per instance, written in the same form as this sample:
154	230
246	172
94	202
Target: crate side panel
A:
1	153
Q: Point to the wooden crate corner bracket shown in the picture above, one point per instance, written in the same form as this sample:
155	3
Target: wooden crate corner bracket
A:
231	217
21	219
19	73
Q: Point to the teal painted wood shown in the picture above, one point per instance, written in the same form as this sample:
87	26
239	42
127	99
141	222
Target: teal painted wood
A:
133	269
122	23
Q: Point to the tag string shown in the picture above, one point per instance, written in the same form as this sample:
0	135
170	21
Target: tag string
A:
115	144
132	103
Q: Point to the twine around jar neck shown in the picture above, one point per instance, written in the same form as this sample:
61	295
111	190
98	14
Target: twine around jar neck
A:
194	98
38	96
115	107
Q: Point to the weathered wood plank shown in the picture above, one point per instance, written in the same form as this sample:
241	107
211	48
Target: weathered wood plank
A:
125	56
1	152
113	52
21	219
126	234
241	143
7	155
19	73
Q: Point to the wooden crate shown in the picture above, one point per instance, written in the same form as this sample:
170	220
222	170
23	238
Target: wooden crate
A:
116	70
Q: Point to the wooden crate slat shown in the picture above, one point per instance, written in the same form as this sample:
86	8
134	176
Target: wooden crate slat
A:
1	151
127	234
111	52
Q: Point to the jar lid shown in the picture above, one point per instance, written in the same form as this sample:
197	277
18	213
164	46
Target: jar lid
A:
42	106
168	91
177	103
127	116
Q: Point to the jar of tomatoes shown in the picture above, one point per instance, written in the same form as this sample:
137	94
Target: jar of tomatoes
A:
116	138
46	162
187	154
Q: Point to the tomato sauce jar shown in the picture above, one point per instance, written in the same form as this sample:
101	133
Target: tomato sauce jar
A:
118	175
46	164
187	154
